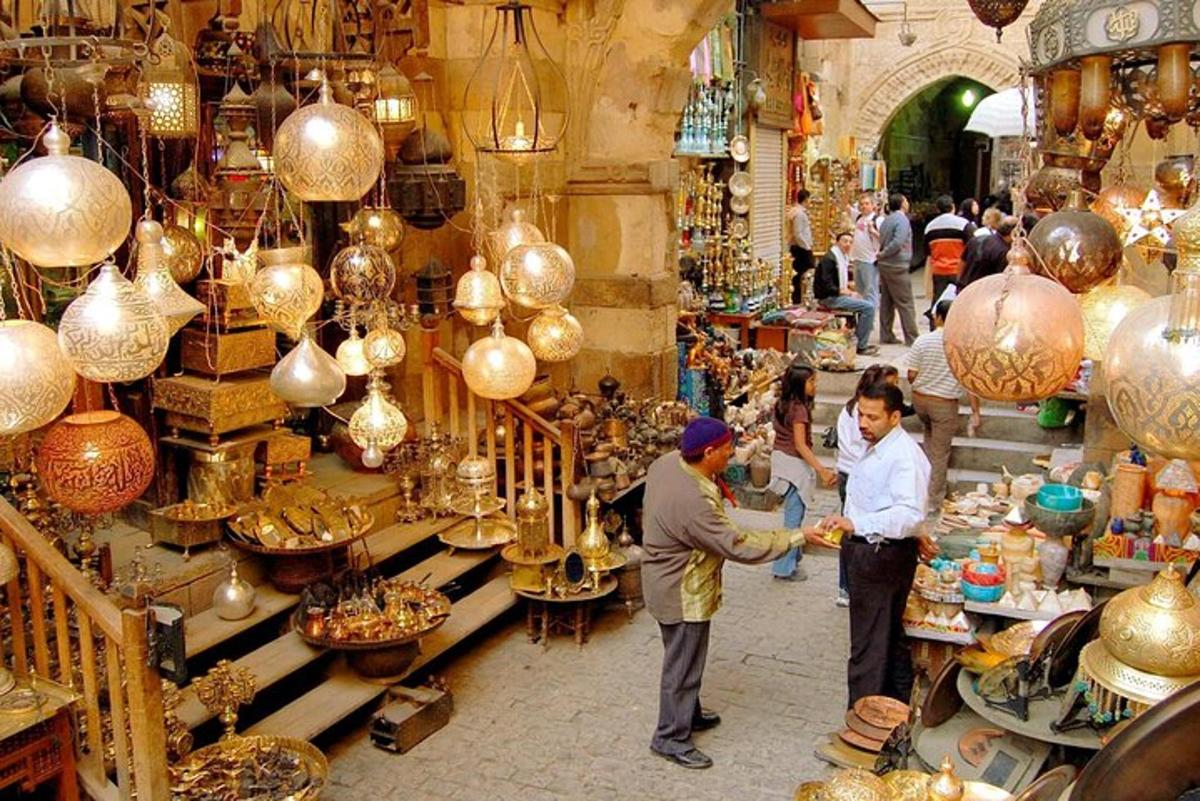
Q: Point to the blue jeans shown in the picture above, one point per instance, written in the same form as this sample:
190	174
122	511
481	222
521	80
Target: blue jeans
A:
860	306
793	516
866	281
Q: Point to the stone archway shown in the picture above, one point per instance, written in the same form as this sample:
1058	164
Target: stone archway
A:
891	91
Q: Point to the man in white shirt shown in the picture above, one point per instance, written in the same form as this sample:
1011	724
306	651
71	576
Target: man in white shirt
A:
935	394
882	527
865	249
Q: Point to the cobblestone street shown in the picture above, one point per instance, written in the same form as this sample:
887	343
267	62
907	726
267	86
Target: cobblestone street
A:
534	724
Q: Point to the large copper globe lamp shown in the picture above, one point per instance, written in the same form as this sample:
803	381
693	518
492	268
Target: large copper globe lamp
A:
95	463
1075	246
1014	336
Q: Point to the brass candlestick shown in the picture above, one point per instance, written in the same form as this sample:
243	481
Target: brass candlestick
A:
222	690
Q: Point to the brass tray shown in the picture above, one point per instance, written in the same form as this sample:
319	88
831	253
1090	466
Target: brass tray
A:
465	505
493	531
881	711
240	541
512	553
613	560
370	645
313	761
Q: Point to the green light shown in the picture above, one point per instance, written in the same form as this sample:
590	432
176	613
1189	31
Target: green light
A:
968	98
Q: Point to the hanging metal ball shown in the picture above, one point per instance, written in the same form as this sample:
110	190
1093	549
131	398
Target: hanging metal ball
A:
515	231
352	355
96	462
555	335
287	290
499	367
327	152
538	275
233	598
385	347
1076	247
478	297
182	253
379	226
362	273
62	210
36	379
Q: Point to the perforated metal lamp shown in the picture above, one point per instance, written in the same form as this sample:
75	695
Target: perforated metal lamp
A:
9	570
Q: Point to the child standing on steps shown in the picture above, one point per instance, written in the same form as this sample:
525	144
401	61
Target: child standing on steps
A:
794	466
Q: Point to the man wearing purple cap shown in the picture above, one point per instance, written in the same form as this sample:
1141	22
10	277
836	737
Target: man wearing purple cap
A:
687	538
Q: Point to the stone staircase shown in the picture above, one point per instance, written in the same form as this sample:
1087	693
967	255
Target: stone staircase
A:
1008	437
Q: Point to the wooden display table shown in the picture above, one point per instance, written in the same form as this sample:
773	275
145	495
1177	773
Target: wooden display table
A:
37	740
742	322
572	615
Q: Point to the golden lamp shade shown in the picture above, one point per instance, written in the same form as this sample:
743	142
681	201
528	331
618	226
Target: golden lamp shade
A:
538	275
62	210
95	462
515	231
352	355
1152	367
379	226
1095	90
362	273
1156	627
499	367
1014	336
113	331
327	151
555	335
36	379
1076	247
182	253
856	785
378	422
385	347
287	290
308	376
153	278
1103	309
478	297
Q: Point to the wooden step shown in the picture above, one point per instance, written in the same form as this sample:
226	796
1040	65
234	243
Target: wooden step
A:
389	541
206	629
279	658
343	692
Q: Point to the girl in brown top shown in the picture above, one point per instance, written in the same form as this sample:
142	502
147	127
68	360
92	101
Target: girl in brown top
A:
794	466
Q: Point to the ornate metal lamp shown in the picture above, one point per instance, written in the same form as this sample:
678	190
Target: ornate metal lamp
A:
171	91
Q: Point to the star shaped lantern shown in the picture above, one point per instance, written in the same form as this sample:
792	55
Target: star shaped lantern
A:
1150	221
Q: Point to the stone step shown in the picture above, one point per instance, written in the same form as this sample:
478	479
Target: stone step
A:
287	654
999	422
987	455
343	692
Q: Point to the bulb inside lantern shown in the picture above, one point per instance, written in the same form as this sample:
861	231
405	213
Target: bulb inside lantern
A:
352	355
372	457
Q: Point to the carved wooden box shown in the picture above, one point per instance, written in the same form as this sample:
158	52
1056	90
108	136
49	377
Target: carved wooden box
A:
222	353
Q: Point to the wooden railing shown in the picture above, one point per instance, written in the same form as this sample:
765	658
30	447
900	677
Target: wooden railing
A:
448	402
62	628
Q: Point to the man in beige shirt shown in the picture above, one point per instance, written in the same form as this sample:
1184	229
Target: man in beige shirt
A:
688	536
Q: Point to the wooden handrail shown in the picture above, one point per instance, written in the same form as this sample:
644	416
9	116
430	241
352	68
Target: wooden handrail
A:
103	612
539	423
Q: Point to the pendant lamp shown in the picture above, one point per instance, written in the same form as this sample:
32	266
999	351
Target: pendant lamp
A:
537	275
515	231
1103	309
286	291
327	151
182	253
377	425
362	273
113	331
555	335
352	355
499	367
380	226
478	297
384	347
95	463
1076	247
36	380
1014	336
308	376
153	278
61	210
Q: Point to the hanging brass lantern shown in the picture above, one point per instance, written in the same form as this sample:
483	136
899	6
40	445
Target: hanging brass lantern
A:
287	291
1014	336
506	107
537	276
478	297
1103	309
327	151
182	253
997	14
394	107
96	462
61	210
378	425
113	331
170	90
380	226
1076	247
435	289
424	187
308	376
36	380
361	274
384	347
515	231
555	335
352	355
499	367
153	278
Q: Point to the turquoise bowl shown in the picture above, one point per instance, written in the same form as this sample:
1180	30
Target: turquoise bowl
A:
1060	498
982	594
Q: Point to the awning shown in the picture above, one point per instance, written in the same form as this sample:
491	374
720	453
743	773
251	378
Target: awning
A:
1000	115
822	19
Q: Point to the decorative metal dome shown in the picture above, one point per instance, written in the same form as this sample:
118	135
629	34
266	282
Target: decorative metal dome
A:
1063	31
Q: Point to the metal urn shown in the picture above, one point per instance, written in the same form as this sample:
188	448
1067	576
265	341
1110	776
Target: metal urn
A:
233	599
593	543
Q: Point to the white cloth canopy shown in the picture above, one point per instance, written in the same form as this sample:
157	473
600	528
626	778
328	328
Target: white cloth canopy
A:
1000	115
